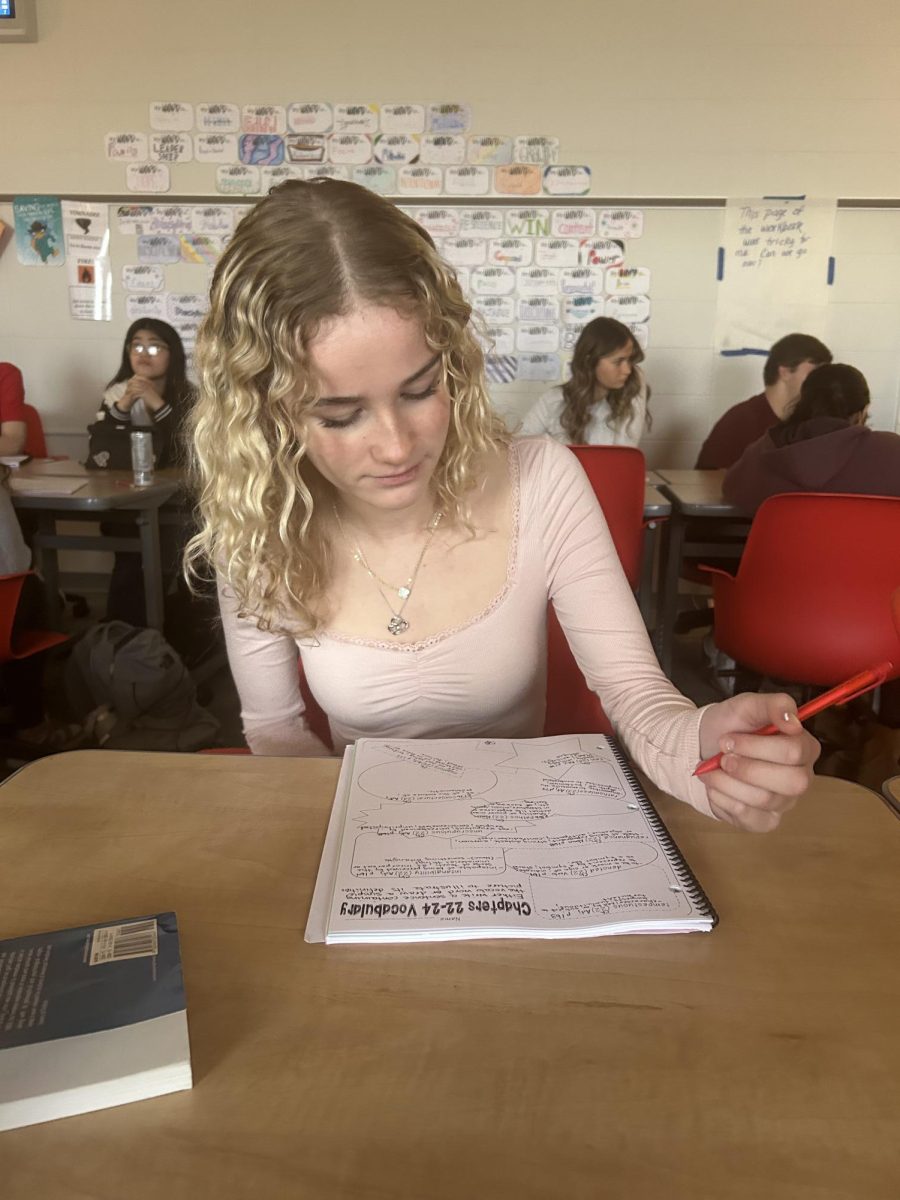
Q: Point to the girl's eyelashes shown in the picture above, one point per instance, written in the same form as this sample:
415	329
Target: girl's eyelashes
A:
429	391
342	423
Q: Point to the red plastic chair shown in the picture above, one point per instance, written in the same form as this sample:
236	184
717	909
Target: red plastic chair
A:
318	722
27	641
811	601
618	476
35	443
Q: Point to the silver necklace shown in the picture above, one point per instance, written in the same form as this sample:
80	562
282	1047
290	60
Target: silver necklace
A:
398	623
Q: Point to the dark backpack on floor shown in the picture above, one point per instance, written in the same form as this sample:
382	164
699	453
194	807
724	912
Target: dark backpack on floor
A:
151	696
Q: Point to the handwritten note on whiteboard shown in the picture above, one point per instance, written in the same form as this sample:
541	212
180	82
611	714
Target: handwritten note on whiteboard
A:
774	272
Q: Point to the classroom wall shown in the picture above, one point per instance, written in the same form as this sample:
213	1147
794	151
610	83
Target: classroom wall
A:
699	99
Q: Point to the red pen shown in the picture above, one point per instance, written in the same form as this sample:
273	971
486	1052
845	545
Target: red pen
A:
865	681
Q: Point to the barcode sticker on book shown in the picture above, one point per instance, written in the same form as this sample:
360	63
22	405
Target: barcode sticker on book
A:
137	939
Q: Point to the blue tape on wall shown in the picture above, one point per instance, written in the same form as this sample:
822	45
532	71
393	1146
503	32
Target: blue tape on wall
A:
720	264
830	269
743	351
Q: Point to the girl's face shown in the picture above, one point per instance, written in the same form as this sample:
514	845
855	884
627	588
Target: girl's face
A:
378	429
148	355
614	369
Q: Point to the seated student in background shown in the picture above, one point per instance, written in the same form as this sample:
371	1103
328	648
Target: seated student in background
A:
790	361
604	403
150	390
362	505
12	412
822	445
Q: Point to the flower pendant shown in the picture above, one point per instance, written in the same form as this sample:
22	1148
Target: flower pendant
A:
397	625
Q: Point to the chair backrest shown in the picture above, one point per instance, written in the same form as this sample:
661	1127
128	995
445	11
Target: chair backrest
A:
10	590
35	444
811	601
618	476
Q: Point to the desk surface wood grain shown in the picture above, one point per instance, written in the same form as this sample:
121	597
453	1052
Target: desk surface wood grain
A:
758	1061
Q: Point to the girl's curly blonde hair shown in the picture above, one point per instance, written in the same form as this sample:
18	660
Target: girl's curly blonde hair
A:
307	253
600	337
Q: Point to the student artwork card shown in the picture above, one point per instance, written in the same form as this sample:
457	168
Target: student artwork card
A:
172	116
628	308
420	180
170	218
142	277
349	149
201	249
215	147
85	227
39	231
449	118
481	222
537	339
261	149
463	278
586	281
496	310
620	222
147	177
493	281
263	118
218	118
237	180
538	368
517	179
402	118
306	147
556	252
527	222
536	149
145	305
158	248
377	178
439	222
600	252
567	181
465	251
133	219
171	147
310	117
500	368
396	148
537	310
356	118
498	339
443	149
578	310
212	218
537	281
326	171
628	281
511	251
270	177
573	222
186	306
467	181
126	147
641	334
489	150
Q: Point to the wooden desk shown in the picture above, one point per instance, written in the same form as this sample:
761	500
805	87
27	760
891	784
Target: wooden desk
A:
760	1060
103	496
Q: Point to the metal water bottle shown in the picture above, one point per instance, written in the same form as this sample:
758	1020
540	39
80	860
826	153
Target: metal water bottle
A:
142	457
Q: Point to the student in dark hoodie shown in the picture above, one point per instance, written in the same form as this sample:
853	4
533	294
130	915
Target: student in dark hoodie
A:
822	445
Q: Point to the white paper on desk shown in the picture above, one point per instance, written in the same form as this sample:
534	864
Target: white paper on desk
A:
31	486
324	889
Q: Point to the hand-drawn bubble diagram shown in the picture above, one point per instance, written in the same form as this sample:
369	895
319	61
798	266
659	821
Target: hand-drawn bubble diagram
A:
555	819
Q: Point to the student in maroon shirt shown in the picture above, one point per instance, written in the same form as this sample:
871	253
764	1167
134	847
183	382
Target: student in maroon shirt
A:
790	361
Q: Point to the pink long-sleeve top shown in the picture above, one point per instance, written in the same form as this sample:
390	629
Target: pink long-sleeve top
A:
487	677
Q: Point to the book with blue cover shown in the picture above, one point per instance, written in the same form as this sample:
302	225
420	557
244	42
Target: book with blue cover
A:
91	1017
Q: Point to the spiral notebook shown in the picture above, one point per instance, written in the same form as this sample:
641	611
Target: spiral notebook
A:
433	840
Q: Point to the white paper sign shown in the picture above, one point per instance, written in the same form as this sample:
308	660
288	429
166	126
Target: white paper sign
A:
419	180
449	118
493	281
467	181
567	181
147	177
145	305
237	180
556	252
517	179
134	218
512	252
215	147
498	339
627	308
627	281
356	118
641	334
537	281
600	252
263	118
171	147
500	368
537	310
496	310
439	222
158	248
142	277
528	222
537	339
542	368
170	218
490	150
573	222
270	177
126	147
310	117
584	280
578	310
93	302
306	147
397	148
481	222
376	178
326	171
443	149
201	249
171	115
402	118
218	118
620	222
542	150
465	251
352	149
212	218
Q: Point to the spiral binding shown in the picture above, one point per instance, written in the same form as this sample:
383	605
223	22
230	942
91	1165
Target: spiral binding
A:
676	860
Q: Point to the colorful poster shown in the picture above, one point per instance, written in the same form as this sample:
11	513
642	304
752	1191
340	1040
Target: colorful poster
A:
215	147
402	118
218	118
356	118
147	177
567	181
142	277
601	252
261	149
489	150
306	147
39	231
310	117
203	249
237	180
376	178
517	179
541	150
171	116
171	147
443	149
527	222
263	118
420	180
500	368
398	148
449	118
627	281
126	147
